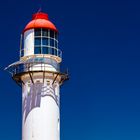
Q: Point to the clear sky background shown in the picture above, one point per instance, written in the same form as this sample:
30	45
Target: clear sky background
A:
100	40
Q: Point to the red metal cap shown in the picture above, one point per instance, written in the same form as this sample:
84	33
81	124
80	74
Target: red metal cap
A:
40	20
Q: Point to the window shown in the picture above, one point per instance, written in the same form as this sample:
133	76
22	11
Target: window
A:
37	32
45	32
45	41
37	41
45	50
52	34
51	42
56	43
55	36
38	50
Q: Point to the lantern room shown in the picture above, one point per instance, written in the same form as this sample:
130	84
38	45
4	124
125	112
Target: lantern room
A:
40	37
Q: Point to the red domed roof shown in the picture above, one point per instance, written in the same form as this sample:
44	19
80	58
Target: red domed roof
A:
40	20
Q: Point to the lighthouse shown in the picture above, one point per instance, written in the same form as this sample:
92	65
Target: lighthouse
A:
39	75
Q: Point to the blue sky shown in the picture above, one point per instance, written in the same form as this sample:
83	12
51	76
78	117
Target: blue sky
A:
100	41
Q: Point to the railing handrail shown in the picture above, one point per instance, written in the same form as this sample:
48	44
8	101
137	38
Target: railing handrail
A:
29	67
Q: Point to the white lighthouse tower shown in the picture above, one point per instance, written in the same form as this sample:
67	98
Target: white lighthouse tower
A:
38	73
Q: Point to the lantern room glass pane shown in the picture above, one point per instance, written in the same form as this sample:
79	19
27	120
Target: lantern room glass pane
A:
50	51
37	32
45	50
54	51
56	36
51	34
52	42
45	41
37	41
38	50
56	43
45	32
